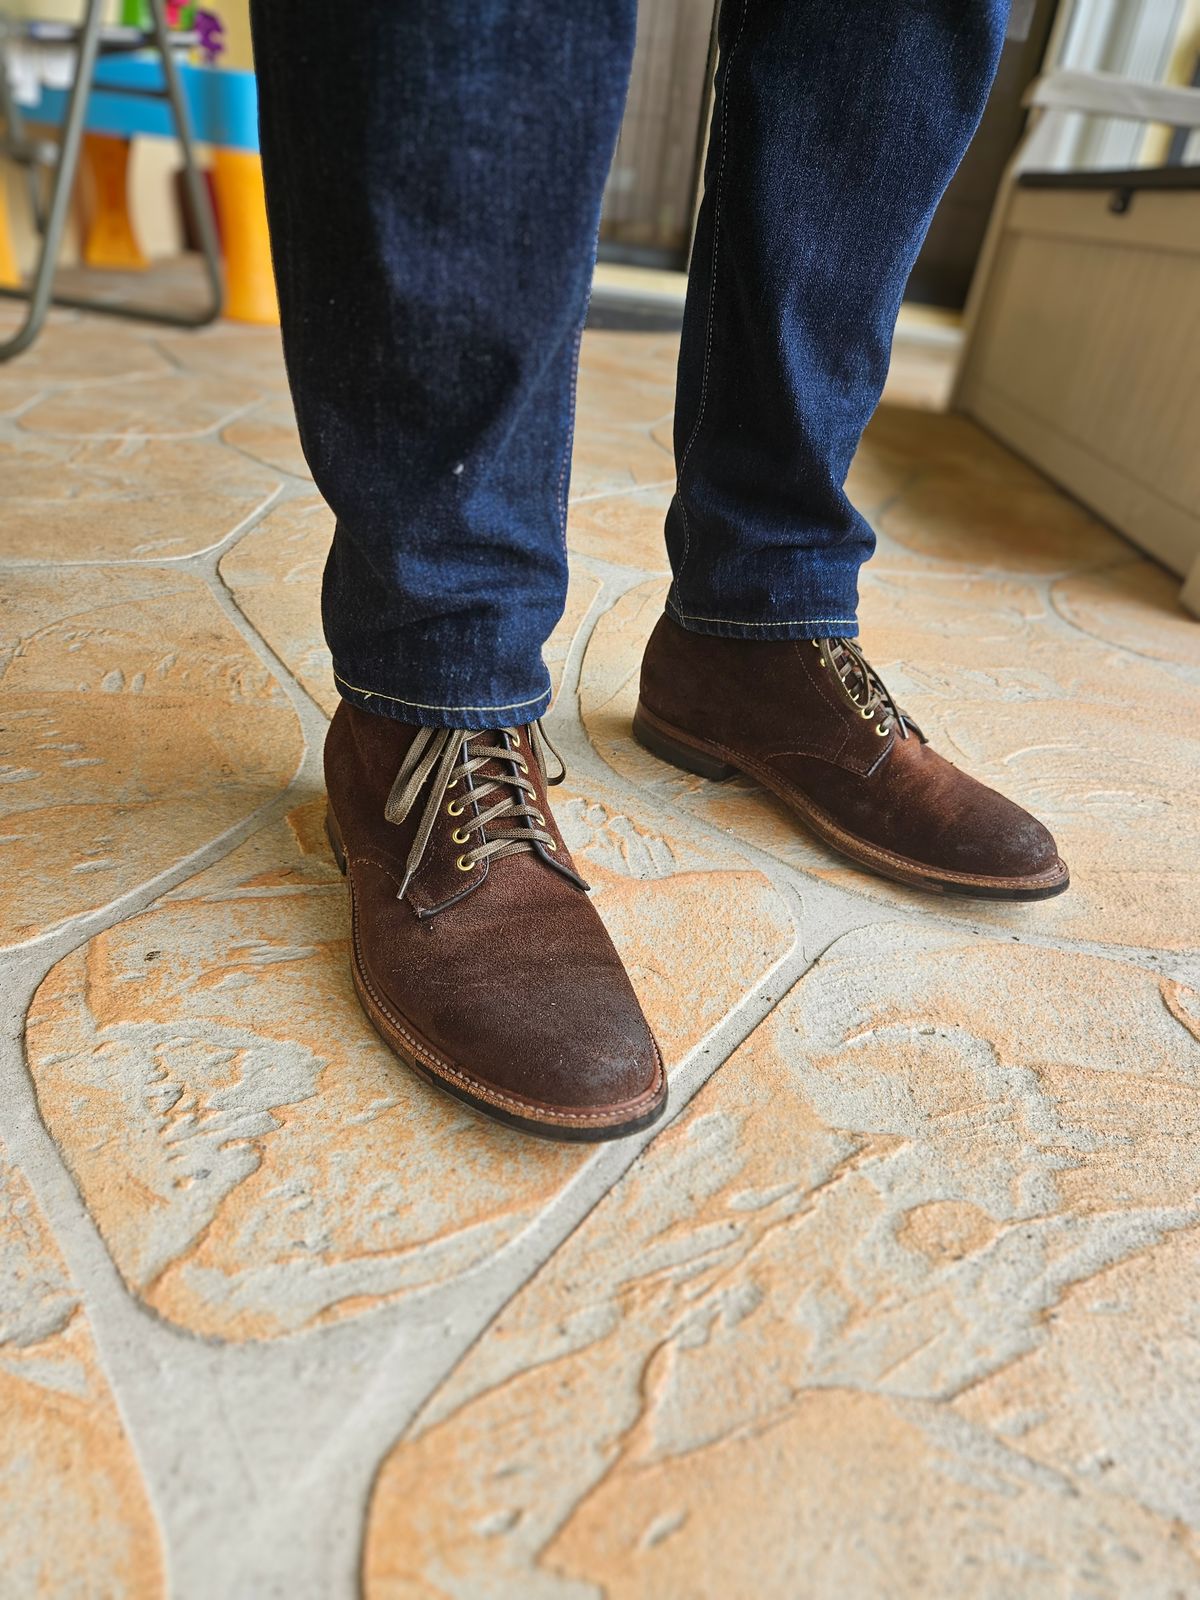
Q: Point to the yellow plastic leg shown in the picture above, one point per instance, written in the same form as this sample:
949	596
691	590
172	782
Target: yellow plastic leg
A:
242	211
10	272
109	239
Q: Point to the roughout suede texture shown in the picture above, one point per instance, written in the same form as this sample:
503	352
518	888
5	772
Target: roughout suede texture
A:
774	707
516	982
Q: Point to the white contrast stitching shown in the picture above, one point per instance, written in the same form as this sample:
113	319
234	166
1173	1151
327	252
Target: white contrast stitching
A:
712	294
794	622
421	705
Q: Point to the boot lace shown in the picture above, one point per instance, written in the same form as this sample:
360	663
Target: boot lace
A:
864	688
453	756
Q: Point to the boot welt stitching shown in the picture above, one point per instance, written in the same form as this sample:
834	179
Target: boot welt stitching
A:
485	1091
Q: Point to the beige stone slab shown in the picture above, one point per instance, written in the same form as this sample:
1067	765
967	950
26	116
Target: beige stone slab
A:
1019	528
1107	1394
624	400
72	356
268	434
739	1375
138	725
176	405
125	499
256	1160
274	574
1087	736
76	1518
253	355
623	528
1134	605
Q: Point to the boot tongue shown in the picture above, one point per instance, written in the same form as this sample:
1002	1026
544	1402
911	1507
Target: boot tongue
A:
850	671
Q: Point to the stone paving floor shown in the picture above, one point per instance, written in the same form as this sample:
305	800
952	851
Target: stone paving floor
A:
904	1299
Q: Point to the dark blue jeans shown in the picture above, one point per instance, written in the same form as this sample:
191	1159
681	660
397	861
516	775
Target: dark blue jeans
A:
434	174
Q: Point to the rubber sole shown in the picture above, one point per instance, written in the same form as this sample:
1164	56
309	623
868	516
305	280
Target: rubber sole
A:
405	1041
711	761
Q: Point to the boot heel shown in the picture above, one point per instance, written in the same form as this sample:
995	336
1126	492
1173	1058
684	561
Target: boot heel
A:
681	755
334	835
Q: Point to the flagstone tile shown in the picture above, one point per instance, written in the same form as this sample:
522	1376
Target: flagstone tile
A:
76	1517
624	400
274	574
72	356
254	355
256	1160
1086	736
174	405
125	499
623	528
1019	528
1107	1395
1134	605
762	1364
137	726
268	434
84	353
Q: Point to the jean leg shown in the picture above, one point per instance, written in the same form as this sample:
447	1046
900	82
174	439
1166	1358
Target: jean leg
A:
837	127
434	175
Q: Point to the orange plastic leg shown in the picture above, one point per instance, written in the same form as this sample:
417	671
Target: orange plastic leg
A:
109	239
241	208
10	272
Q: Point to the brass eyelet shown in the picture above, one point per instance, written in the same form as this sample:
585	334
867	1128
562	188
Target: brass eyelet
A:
539	819
453	784
882	731
461	836
464	864
456	808
522	766
866	712
550	845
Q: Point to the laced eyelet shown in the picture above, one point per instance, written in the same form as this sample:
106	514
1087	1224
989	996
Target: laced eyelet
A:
550	845
522	766
456	808
539	819
882	731
465	864
867	712
461	836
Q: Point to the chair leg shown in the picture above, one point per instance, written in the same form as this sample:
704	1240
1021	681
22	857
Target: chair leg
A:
197	192
39	295
64	178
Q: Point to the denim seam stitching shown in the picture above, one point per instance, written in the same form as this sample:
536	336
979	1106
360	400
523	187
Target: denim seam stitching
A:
566	455
792	622
712	296
422	705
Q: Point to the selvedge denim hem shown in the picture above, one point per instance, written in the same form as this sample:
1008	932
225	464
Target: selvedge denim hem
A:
476	714
434	177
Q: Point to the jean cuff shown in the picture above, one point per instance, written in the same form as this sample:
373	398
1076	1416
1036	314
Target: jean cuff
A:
826	622
430	713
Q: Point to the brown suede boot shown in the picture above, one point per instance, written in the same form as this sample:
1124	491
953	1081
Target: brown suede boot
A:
476	952
812	721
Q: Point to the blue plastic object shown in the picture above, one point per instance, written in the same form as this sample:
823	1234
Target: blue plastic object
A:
223	104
